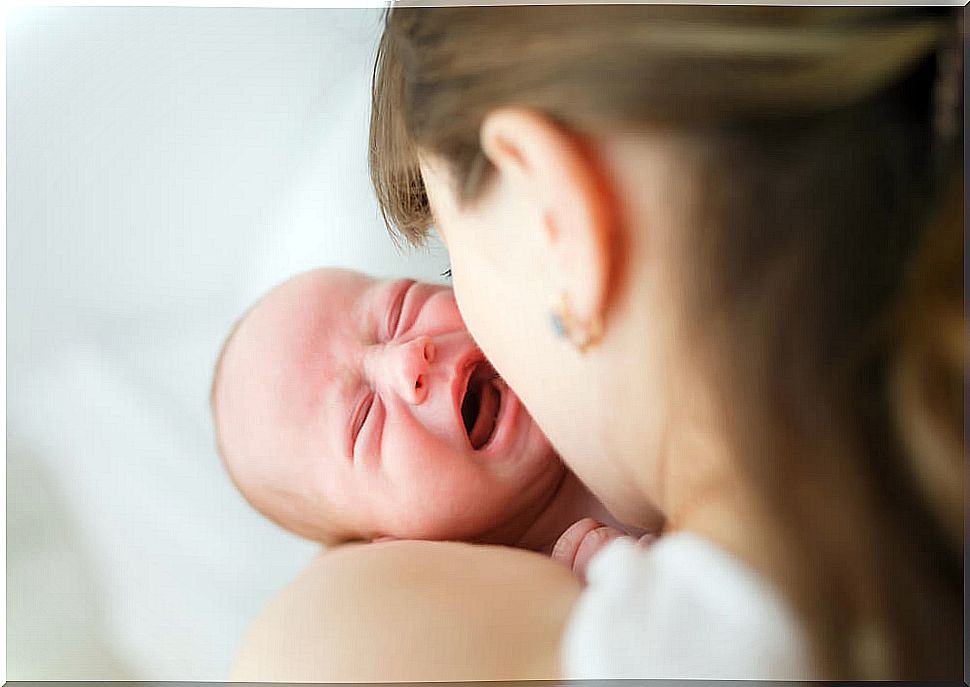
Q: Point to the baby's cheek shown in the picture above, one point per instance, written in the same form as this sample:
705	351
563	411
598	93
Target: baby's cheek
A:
443	314
460	508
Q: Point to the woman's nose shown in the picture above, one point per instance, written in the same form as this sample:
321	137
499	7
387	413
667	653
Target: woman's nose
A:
409	365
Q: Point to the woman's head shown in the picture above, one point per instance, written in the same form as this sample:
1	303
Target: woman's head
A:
737	194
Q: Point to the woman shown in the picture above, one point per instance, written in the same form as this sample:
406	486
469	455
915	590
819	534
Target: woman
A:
744	223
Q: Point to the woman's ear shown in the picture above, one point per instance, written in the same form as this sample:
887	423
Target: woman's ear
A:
570	200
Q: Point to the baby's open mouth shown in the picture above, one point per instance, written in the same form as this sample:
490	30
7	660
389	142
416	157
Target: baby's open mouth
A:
480	405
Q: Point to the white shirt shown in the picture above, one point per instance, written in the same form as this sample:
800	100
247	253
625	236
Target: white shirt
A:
681	608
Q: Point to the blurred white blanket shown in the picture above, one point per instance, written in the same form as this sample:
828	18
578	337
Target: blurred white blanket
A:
165	167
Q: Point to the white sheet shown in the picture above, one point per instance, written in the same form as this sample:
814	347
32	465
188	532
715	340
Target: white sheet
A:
165	167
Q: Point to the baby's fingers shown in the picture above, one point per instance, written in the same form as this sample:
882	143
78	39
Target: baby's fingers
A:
568	543
594	540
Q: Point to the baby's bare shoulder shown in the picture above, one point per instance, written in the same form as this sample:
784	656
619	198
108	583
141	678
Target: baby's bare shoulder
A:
413	611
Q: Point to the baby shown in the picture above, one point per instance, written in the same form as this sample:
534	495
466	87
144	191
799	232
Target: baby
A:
348	408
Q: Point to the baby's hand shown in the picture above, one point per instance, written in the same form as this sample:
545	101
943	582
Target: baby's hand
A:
578	544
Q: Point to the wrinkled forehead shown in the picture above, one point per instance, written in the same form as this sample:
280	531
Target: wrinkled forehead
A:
312	297
294	331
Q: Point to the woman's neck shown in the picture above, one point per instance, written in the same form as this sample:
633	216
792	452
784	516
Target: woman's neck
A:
706	495
690	471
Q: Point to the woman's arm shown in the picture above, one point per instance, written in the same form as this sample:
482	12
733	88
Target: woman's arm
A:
413	612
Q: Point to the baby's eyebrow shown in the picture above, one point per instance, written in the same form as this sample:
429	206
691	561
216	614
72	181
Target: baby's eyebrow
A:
371	310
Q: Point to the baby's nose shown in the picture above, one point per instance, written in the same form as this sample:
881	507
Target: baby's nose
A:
410	363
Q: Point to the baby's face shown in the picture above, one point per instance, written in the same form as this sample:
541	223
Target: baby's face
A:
344	398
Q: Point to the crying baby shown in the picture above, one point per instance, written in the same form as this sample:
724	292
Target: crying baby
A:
348	408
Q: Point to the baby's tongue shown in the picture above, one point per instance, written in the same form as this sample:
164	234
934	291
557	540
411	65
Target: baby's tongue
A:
487	411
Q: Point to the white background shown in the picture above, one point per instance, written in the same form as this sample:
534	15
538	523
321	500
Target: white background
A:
165	167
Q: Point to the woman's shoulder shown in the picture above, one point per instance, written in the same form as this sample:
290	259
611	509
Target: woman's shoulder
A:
413	611
682	608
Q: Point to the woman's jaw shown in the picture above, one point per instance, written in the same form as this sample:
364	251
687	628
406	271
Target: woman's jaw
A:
611	411
597	426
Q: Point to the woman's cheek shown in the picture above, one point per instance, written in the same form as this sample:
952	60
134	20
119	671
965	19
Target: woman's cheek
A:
458	282
486	316
468	296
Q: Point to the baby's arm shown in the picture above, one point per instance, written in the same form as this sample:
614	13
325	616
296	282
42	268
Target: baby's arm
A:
576	525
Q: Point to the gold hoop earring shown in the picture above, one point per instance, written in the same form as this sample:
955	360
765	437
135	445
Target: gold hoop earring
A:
582	334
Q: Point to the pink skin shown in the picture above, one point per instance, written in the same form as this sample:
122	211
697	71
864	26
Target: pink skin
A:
576	546
339	398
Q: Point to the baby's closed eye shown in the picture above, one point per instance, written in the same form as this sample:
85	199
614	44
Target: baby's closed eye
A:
395	313
370	433
361	413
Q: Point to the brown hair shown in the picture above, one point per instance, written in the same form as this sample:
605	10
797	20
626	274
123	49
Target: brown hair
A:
830	262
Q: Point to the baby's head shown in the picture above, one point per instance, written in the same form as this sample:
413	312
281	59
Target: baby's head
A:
352	408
